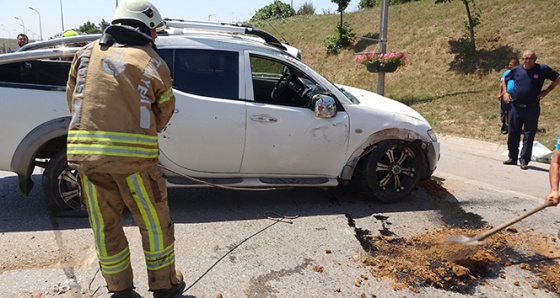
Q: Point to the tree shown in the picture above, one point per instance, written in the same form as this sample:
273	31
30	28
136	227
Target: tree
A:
345	35
306	8
103	24
367	4
89	28
342	5
276	10
473	18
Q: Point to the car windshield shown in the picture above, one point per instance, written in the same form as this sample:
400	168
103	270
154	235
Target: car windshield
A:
302	65
348	95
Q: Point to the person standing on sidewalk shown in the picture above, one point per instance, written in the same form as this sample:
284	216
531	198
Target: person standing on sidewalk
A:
119	92
504	107
525	105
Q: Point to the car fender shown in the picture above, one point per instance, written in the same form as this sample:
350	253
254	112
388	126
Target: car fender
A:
419	140
23	160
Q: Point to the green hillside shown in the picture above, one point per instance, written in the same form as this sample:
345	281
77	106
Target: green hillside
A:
458	97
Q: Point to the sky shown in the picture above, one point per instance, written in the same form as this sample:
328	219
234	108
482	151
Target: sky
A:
76	12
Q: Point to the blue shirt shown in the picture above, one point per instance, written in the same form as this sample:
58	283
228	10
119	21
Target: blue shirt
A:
510	83
529	82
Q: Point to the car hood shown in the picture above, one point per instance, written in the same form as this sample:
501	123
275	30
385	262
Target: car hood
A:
378	102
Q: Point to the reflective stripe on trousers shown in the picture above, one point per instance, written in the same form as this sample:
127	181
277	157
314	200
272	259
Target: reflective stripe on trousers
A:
145	195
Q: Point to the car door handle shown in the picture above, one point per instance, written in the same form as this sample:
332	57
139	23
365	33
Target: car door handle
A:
262	118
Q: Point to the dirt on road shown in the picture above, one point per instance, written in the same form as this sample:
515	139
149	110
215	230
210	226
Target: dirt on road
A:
430	260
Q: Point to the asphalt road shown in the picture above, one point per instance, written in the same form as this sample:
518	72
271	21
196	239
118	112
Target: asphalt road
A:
229	243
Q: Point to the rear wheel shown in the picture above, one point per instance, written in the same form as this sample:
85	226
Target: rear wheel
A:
390	172
62	188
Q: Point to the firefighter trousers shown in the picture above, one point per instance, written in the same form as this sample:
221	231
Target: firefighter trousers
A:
145	195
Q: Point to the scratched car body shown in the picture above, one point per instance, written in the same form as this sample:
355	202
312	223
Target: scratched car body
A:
245	116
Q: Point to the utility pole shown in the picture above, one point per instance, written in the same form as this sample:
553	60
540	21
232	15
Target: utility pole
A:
383	44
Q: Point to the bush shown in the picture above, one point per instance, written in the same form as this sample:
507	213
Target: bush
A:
331	44
276	10
306	8
342	38
367	4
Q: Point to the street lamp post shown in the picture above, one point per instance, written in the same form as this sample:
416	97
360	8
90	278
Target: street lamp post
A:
40	25
9	37
61	16
9	33
22	25
4	40
31	35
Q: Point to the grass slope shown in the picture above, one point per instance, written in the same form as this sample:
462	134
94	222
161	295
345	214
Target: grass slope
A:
458	97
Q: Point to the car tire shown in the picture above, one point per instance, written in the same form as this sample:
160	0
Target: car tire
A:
61	186
390	172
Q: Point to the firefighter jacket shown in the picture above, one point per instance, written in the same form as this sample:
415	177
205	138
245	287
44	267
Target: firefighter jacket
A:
120	97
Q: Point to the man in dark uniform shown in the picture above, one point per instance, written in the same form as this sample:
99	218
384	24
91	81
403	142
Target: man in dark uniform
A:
525	105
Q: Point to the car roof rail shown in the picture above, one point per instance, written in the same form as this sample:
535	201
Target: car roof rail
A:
60	41
176	26
51	53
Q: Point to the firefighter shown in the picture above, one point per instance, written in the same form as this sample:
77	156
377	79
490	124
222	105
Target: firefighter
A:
119	93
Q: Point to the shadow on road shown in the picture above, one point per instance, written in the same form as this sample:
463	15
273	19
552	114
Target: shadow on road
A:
201	205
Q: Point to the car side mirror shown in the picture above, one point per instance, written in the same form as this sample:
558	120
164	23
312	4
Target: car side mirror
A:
324	106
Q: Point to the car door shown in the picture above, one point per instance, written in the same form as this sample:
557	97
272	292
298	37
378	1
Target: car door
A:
284	137
207	131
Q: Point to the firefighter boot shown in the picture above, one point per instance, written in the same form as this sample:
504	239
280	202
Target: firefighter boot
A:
174	290
127	293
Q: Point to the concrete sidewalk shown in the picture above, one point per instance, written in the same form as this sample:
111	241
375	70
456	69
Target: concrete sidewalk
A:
539	150
473	144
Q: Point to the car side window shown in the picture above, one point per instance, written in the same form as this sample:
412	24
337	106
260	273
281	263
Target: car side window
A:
208	73
168	55
275	82
39	72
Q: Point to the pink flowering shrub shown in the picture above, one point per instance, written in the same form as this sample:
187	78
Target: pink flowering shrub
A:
392	56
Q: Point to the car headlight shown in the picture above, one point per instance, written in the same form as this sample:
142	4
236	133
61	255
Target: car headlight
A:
432	135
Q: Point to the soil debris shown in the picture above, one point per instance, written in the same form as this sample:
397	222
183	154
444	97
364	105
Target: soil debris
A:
319	269
428	260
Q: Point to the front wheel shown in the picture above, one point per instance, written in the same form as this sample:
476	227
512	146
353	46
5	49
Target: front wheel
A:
391	171
61	186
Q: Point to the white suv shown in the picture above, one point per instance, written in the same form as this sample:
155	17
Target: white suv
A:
249	113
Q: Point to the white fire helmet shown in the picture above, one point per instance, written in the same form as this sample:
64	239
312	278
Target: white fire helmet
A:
139	10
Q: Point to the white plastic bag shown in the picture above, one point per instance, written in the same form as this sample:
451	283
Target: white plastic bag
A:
540	152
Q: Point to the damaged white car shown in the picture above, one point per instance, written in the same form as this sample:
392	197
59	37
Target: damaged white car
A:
249	113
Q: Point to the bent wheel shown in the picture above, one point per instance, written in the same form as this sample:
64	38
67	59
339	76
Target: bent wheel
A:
391	171
61	186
